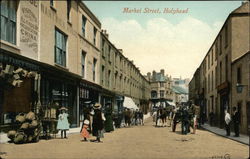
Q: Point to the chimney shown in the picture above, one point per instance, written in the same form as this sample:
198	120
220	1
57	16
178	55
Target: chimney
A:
154	75
163	72
149	75
105	33
120	50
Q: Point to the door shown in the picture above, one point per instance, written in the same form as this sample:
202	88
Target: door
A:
248	116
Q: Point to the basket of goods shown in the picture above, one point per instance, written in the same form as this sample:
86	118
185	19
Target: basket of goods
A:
33	124
20	137
30	116
11	134
29	130
20	118
24	126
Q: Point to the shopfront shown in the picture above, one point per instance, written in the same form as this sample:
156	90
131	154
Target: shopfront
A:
60	87
88	95
18	86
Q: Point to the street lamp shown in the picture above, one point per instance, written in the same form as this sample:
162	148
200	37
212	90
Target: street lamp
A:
239	87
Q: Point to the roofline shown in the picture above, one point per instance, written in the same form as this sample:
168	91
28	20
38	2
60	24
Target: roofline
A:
239	58
89	13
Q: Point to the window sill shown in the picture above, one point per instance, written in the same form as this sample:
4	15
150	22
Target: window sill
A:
9	47
61	67
69	22
53	8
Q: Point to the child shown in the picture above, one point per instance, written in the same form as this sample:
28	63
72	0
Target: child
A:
84	132
63	123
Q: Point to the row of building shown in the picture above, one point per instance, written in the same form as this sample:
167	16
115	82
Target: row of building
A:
56	51
222	80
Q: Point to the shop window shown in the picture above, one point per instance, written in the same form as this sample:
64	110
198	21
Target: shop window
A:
83	63
60	48
8	21
84	20
226	36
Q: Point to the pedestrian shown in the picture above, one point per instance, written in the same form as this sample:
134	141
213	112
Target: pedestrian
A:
85	130
141	116
126	116
62	123
227	122
109	121
137	116
98	123
236	122
184	121
176	119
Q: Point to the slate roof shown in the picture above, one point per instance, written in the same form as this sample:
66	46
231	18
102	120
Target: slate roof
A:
179	90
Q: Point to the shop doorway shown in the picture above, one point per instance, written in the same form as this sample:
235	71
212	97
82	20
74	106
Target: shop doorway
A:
223	106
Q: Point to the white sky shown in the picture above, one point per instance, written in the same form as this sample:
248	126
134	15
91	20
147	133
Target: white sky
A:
176	43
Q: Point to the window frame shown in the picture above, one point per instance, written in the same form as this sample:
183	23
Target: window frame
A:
62	52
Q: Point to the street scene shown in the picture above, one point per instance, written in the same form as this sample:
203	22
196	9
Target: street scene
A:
124	79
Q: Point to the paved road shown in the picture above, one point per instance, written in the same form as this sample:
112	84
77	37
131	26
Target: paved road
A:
141	142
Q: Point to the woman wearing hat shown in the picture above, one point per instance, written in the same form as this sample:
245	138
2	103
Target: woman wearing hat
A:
97	124
63	123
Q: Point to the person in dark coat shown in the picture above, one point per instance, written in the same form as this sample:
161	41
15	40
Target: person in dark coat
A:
236	122
109	121
184	121
98	122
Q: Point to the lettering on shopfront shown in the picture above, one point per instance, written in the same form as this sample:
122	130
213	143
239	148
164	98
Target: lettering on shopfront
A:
29	27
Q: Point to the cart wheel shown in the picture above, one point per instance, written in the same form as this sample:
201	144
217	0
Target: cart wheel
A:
36	139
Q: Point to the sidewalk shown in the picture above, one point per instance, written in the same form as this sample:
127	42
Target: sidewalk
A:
242	139
5	139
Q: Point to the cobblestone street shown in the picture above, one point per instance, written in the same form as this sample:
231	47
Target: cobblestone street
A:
137	142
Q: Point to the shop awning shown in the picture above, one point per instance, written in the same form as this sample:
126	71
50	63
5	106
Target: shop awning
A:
171	103
129	103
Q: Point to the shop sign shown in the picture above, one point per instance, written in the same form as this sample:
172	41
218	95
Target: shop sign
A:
29	21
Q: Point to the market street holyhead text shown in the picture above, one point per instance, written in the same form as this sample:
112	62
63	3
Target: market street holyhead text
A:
155	11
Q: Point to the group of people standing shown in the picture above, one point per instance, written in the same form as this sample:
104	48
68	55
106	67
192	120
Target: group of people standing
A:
236	122
188	116
133	117
95	122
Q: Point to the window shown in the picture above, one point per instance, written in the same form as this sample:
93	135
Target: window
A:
109	76
84	20
68	9
212	57
212	79
220	72
103	74
109	53
216	51
208	62
8	21
239	75
103	45
220	44
161	84
51	3
94	68
153	94
161	93
83	63
60	48
226	36
226	63
94	39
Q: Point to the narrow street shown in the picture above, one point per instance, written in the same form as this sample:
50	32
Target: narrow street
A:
137	142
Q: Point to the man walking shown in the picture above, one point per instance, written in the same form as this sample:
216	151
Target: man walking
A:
236	121
227	122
